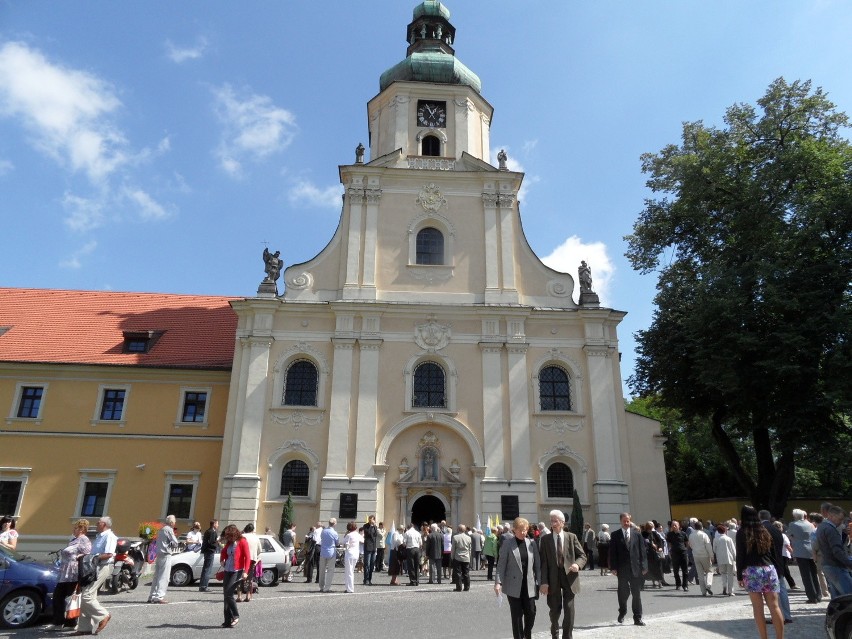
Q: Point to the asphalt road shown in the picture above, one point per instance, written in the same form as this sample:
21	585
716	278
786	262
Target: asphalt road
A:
297	608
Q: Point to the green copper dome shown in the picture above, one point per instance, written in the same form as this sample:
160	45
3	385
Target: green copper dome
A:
430	56
431	8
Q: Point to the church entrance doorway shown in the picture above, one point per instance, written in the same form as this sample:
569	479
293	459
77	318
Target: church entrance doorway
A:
428	508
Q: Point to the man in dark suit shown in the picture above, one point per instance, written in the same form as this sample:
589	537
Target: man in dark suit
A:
434	546
562	559
209	548
371	538
629	562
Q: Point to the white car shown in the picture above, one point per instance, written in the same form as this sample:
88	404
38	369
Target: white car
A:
186	566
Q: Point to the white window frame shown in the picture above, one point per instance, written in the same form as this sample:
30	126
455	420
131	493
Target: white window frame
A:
289	451
180	477
450	380
179	423
575	385
440	223
306	352
561	452
102	388
92	475
19	391
19	474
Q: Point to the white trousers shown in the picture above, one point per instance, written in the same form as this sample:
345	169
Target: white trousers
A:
349	575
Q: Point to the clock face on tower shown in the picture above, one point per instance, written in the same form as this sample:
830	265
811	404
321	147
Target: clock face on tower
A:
432	114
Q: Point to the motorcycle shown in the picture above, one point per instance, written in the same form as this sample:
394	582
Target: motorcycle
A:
129	561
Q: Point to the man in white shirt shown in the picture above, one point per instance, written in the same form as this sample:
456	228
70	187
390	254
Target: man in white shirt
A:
702	553
93	616
413	542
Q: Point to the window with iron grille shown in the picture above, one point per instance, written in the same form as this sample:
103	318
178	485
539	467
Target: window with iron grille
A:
560	481
430	246
194	406
300	386
112	405
30	401
295	478
429	386
554	389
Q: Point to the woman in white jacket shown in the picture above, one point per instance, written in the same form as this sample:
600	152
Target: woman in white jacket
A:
726	558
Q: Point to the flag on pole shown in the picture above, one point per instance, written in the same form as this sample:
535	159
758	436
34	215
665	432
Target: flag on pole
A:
490	526
478	522
496	520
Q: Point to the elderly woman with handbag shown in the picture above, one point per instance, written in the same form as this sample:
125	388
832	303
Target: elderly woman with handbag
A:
236	562
78	545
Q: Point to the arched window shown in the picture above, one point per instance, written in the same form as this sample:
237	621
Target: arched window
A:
560	481
430	145
295	478
430	246
429	386
300	385
554	389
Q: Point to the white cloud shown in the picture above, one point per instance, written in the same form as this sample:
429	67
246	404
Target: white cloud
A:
74	261
182	54
253	127
529	146
306	193
149	209
65	110
567	256
84	214
6	166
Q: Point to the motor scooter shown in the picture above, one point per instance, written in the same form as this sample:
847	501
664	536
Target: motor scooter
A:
129	561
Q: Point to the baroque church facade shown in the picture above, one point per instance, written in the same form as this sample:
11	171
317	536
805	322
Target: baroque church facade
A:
426	365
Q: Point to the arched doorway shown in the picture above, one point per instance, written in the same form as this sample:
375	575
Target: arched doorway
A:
428	508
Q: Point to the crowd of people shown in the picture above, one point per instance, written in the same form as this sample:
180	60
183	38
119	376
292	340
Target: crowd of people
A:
521	559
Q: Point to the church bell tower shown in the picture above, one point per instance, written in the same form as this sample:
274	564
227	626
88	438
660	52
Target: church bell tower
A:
429	110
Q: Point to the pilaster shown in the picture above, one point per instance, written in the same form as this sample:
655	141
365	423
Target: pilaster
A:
355	200
492	260
340	408
492	408
368	406
519	411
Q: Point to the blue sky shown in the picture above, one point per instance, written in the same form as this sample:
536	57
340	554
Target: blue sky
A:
154	146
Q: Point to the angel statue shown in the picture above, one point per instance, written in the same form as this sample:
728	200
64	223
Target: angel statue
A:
272	265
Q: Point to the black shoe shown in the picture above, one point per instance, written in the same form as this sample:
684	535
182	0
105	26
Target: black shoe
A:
621	618
638	622
709	592
686	588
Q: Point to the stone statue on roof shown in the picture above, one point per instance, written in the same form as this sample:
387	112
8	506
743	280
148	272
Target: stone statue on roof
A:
272	265
501	159
359	153
585	274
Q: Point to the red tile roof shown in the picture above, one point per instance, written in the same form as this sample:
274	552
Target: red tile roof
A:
87	327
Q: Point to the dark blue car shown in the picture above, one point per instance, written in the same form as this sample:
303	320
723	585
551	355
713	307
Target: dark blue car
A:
26	588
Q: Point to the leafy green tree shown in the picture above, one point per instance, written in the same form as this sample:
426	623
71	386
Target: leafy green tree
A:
286	516
751	235
695	468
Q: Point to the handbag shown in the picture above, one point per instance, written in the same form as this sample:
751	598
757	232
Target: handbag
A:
667	564
220	576
72	605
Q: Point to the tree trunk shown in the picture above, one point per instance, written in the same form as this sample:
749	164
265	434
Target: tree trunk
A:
730	455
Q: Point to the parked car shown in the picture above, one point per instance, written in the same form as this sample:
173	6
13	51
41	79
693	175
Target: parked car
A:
838	618
186	566
26	588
